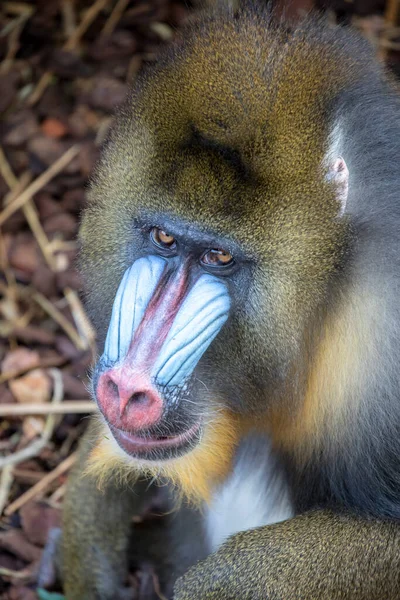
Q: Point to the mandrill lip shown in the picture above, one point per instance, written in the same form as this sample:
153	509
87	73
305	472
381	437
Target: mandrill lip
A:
135	444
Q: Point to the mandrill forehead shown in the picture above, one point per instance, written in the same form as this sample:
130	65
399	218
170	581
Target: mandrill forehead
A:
190	144
234	85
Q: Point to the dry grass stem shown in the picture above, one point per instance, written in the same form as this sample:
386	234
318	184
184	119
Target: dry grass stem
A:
114	17
59	318
23	574
6	171
88	18
58	495
36	446
82	323
39	183
13	42
65	408
16	187
32	217
40	88
41	486
69	17
18	8
71	44
6	481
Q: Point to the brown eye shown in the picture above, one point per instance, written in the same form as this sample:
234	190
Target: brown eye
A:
162	239
217	258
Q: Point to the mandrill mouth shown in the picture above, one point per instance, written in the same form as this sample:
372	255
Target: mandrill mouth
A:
152	447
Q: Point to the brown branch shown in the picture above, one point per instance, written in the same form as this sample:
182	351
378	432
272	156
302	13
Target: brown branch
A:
64	408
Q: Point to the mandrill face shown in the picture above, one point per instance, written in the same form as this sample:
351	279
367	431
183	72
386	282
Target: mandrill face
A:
165	315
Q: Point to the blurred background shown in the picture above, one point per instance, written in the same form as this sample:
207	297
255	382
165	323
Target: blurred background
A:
65	65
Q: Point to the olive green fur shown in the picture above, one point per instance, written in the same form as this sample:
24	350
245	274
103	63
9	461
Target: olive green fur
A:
318	556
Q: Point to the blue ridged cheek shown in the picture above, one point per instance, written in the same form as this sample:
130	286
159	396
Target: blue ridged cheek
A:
133	295
203	312
199	320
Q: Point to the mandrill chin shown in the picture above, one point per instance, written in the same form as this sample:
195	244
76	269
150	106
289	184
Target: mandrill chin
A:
241	248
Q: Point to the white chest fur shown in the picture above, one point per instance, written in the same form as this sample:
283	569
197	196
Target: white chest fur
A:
255	494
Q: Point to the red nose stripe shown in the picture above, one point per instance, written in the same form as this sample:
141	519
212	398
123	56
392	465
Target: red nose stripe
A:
158	317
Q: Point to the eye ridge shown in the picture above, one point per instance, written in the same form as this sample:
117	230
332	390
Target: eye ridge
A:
162	239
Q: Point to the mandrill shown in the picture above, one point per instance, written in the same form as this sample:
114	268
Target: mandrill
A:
241	251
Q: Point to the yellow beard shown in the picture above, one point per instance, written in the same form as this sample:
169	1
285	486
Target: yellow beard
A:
194	474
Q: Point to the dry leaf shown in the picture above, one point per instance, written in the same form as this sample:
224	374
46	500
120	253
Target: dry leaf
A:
20	359
35	386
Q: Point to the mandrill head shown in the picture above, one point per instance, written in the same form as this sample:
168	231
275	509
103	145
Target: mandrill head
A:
215	226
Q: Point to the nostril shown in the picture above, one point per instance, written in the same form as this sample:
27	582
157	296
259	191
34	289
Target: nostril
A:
139	398
129	399
112	388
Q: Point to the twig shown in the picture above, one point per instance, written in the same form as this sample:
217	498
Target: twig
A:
58	245
59	318
82	323
34	223
17	186
156	585
41	486
73	434
11	287
84	25
6	170
391	11
39	183
69	19
6	481
65	408
28	476
69	45
58	494
36	446
40	88
23	574
13	43
114	17
18	8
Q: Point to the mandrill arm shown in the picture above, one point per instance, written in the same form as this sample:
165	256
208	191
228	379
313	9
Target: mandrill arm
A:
99	541
93	523
317	556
